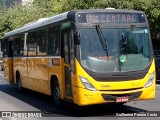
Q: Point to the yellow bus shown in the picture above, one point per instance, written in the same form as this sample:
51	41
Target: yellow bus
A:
84	56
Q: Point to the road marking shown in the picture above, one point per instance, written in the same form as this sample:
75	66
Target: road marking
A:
8	118
13	118
157	85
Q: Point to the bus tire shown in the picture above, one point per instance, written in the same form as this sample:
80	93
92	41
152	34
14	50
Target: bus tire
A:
19	83
56	94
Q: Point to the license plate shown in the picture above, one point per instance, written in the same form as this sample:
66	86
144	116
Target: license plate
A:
122	99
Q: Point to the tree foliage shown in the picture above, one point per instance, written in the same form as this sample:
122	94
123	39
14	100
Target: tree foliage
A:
19	15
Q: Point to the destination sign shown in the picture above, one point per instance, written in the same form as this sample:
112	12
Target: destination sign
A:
111	18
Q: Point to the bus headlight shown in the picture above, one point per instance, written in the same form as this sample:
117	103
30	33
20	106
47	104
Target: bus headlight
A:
150	80
87	84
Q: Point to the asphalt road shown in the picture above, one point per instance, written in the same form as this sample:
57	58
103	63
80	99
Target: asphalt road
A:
12	100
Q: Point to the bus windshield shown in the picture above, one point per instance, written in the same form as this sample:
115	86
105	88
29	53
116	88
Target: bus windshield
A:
127	50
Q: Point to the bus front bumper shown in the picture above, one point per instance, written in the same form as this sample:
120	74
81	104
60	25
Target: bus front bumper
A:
86	97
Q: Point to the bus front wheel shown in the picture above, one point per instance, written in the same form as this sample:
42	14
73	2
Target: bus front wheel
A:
56	95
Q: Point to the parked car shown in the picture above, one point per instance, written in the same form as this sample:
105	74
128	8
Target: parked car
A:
157	63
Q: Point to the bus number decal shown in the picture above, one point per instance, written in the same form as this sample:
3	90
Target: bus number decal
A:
56	61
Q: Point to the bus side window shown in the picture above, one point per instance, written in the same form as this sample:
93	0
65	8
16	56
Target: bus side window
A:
19	45
42	42
16	47
54	41
5	50
31	44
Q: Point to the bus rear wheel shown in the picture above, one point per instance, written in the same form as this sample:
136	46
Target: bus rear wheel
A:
56	95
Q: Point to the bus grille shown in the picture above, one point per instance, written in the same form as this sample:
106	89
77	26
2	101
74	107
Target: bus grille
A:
112	97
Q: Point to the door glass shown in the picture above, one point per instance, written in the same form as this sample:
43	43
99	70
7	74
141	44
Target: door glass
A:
71	44
66	48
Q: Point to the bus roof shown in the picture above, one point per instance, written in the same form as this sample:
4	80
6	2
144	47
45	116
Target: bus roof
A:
39	23
70	15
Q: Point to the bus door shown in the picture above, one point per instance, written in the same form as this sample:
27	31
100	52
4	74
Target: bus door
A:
67	52
10	61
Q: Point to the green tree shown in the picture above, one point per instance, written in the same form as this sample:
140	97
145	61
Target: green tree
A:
19	15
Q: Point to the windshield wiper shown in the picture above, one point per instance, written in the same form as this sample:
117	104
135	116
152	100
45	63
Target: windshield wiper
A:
125	38
125	41
102	39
